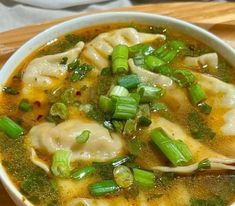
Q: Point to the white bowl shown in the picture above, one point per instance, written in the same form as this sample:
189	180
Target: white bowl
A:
115	17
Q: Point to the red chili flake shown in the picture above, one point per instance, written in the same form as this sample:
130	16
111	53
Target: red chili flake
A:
39	117
37	103
78	93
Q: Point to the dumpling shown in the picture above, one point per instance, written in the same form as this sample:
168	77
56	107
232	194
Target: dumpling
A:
198	150
210	60
98	50
42	72
150	77
101	145
221	95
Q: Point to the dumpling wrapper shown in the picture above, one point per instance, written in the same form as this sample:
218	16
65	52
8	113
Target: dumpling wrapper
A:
42	71
98	50
150	77
221	94
209	59
101	145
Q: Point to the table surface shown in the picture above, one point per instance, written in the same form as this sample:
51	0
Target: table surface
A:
219	18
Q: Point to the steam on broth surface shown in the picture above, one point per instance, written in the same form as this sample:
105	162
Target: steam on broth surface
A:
121	115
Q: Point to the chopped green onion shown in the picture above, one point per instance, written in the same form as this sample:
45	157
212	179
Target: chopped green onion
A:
120	59
125	108
123	176
119	91
83	137
204	108
130	127
184	77
169	56
25	106
74	65
118	126
160	50
158	106
152	62
177	152
149	93
139	60
143	115
183	148
102	188
204	164
129	81
135	146
120	160
10	128
177	45
106	104
196	94
106	71
61	163
136	96
198	126
147	50
80	72
164	70
68	96
59	109
10	90
137	48
144	178
83	172
141	49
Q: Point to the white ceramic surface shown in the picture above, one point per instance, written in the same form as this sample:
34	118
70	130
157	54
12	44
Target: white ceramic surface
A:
200	34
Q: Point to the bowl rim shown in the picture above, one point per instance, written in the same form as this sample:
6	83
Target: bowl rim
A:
82	21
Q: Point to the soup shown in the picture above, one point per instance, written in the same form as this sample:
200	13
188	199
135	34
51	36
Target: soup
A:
121	115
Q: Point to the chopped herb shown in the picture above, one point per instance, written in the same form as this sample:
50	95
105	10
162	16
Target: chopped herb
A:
135	146
204	164
106	72
80	72
198	127
118	126
83	137
214	201
25	106
74	65
10	90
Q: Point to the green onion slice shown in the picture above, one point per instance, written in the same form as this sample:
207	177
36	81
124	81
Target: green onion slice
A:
61	163
125	108
123	176
184	77
104	187
176	151
196	94
129	81
25	106
10	128
106	104
120	59
83	137
83	172
59	109
119	91
144	178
